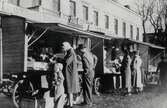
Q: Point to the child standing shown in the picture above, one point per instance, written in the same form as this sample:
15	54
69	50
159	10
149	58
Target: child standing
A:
59	97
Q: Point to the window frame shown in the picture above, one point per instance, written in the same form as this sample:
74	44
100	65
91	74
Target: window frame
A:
96	17
85	15
124	29
138	33
131	31
72	10
106	21
116	26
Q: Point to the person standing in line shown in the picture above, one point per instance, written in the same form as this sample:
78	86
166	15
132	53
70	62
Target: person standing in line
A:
70	72
162	68
88	75
137	80
126	63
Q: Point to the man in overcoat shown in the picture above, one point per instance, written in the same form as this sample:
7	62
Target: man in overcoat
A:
88	75
70	72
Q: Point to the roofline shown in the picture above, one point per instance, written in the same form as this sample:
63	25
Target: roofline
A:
122	6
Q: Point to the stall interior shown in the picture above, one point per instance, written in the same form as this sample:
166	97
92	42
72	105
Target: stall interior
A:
44	48
113	51
44	44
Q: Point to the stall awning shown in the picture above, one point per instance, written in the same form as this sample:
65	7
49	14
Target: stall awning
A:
57	27
147	44
127	40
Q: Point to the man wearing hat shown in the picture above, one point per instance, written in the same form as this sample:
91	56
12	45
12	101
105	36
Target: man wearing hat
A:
88	73
162	68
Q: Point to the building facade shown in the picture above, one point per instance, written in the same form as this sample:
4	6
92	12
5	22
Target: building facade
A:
105	16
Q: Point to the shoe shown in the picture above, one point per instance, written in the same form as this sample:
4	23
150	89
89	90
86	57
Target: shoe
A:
87	104
129	94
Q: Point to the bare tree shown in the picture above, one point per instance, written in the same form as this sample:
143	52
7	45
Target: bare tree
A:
156	15
144	7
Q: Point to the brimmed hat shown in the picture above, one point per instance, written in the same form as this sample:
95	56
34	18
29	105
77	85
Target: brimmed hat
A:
81	46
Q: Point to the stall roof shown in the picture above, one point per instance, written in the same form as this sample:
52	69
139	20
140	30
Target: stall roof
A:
68	29
147	44
140	42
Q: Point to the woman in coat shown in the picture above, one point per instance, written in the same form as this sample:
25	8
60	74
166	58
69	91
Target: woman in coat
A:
70	72
137	63
126	65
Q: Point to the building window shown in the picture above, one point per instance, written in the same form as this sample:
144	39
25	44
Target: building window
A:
131	31
73	8
56	5
106	21
96	18
116	26
137	36
85	13
124	29
14	2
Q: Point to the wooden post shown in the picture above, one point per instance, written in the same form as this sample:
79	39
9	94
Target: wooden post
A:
1	58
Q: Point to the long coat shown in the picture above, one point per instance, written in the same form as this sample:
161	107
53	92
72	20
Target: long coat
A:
162	67
127	70
88	75
70	72
137	72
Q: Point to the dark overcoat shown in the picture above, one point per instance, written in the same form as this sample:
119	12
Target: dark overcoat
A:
70	72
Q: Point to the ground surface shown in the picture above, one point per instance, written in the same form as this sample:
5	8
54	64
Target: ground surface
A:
152	97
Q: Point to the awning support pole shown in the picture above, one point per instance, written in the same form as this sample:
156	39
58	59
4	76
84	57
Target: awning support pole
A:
38	37
159	54
96	45
31	36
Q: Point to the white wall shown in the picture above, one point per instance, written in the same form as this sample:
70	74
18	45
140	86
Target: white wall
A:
104	7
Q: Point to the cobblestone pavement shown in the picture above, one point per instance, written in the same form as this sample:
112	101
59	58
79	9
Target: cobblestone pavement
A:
150	98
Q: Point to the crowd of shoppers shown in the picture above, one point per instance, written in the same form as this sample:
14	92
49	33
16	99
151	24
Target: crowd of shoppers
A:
65	80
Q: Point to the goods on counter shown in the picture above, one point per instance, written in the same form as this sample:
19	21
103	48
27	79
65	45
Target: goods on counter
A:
34	65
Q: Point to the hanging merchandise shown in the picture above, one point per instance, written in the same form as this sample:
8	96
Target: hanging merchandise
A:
135	47
131	48
125	47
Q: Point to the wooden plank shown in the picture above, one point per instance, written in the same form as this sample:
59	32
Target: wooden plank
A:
13	44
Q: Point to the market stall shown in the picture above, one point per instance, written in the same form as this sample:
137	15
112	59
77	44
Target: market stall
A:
113	52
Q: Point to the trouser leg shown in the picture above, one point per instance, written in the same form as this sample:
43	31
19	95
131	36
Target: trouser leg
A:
59	102
87	89
71	99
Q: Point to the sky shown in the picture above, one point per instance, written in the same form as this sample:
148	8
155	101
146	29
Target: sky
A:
131	3
126	1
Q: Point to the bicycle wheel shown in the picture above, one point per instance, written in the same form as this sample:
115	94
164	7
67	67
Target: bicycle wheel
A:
97	86
22	89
